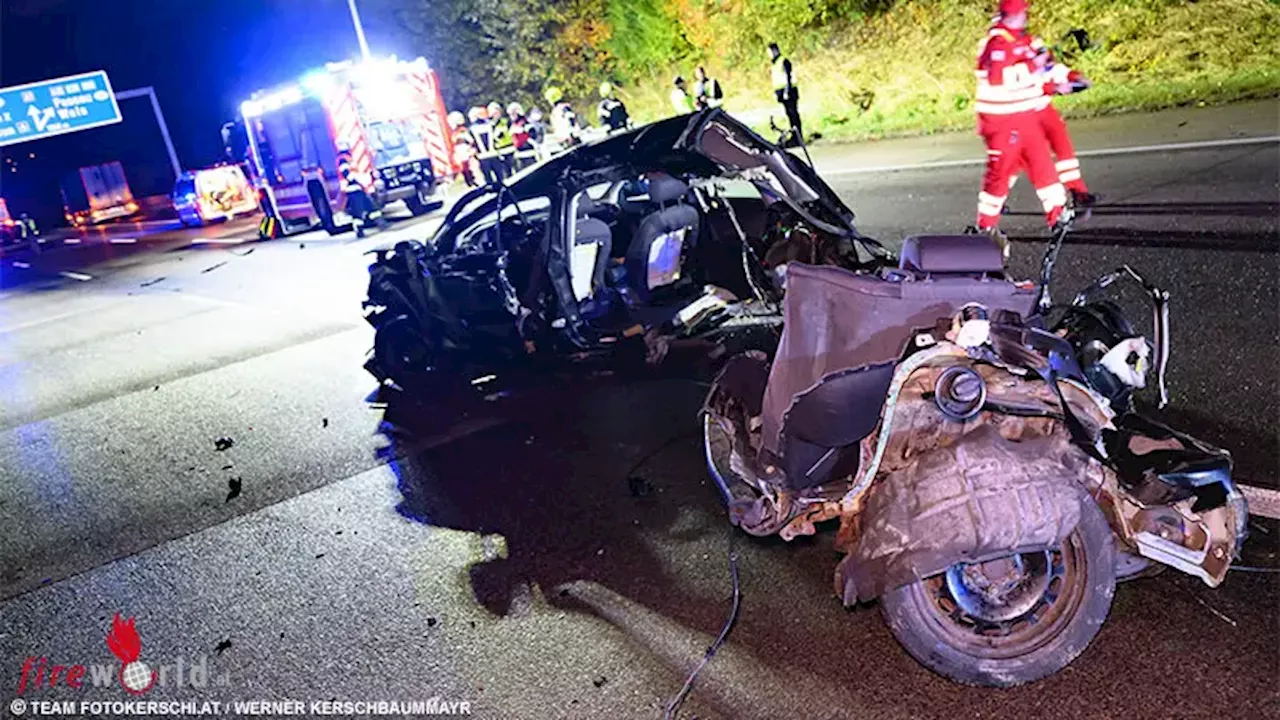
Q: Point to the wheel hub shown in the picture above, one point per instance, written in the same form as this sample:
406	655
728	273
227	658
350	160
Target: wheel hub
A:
1001	590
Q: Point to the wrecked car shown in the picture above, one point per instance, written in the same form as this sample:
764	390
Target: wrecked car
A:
633	248
980	449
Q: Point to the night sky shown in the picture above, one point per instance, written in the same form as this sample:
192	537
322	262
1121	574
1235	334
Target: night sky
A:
203	59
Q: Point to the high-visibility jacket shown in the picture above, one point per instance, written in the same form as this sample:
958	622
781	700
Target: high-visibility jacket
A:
681	101
1008	80
782	74
502	140
708	93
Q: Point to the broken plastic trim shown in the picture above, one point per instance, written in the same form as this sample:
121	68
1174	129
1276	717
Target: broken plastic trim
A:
1160	318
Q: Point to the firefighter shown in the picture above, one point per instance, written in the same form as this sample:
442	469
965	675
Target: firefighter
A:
359	205
464	149
706	90
521	135
680	98
785	89
564	121
1061	80
28	232
1008	97
612	113
502	140
486	151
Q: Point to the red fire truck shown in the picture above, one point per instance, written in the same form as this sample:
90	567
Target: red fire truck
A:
388	114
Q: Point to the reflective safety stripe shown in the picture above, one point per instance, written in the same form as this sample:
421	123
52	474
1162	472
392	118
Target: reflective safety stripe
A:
1053	196
1068	164
1013	180
1069	176
989	204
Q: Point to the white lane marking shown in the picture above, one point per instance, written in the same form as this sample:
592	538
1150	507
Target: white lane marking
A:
76	276
19	264
72	241
123	241
1103	152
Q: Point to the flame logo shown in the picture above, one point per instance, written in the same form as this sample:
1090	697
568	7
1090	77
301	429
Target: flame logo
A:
124	643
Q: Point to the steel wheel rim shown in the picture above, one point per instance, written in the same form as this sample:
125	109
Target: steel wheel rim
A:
1037	610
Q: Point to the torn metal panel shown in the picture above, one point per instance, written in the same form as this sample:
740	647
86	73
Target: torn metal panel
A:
981	498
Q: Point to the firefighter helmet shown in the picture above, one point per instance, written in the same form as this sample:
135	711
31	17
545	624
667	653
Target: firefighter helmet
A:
515	109
494	109
476	113
456	119
606	89
553	95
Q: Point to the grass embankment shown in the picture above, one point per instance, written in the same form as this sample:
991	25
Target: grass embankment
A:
910	69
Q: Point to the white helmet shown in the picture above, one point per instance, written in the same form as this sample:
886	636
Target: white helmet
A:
456	119
515	108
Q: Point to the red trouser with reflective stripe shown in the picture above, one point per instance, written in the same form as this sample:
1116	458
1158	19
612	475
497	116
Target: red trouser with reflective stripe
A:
1068	167
1015	142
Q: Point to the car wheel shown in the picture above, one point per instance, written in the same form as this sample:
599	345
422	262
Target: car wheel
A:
420	203
1012	620
402	353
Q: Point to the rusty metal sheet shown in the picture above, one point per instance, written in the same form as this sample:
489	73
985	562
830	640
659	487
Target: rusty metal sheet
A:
980	498
1263	502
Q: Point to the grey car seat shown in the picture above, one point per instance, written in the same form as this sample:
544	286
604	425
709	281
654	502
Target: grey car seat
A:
656	253
589	255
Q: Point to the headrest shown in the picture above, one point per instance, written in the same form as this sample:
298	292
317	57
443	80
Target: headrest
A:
952	254
663	188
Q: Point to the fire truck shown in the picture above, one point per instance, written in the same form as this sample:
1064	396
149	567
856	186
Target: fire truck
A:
387	115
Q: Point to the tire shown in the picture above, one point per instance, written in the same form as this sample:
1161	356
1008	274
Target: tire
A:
420	203
934	627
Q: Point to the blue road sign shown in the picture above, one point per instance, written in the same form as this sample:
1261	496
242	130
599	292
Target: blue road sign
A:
55	107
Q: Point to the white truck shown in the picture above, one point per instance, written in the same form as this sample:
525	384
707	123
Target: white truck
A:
96	194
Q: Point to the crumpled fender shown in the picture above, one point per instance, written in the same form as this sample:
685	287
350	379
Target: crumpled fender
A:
982	498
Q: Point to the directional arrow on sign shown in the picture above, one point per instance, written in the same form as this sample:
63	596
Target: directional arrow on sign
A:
40	117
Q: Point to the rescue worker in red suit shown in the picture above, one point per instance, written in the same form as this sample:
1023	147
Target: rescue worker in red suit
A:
1061	80
1009	95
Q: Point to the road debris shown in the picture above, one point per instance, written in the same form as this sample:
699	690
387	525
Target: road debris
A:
213	267
234	486
600	681
432	622
149	283
222	646
639	486
324	422
242	254
223	443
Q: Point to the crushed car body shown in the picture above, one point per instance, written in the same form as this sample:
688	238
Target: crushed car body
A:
675	235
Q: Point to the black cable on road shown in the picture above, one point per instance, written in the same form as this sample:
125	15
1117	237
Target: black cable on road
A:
674	706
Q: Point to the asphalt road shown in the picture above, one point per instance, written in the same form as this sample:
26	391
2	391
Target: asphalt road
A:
502	557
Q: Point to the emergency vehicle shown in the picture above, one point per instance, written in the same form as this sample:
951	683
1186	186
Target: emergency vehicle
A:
386	115
212	194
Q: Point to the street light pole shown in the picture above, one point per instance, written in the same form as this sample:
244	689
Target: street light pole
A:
355	18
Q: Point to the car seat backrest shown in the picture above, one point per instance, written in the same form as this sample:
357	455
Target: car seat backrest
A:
655	254
952	255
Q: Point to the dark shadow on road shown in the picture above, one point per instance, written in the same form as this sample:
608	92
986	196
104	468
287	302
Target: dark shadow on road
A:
1255	454
548	472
